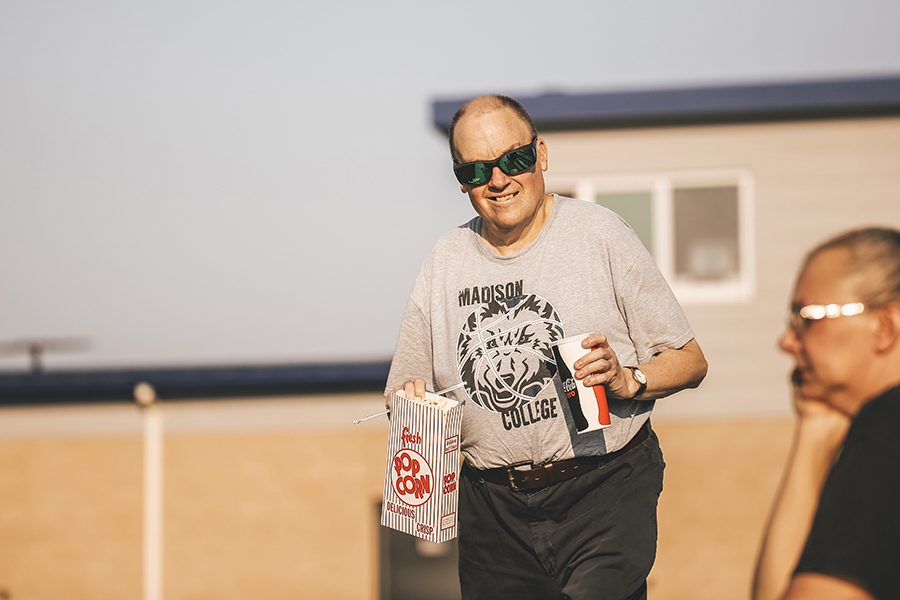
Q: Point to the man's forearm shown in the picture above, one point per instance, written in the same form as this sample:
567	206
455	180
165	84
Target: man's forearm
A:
671	371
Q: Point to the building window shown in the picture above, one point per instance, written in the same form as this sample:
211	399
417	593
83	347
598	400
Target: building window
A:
705	223
697	225
636	208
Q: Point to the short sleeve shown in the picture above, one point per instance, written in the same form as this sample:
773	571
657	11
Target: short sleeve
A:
413	353
654	316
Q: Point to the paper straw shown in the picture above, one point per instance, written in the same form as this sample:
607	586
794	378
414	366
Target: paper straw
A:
450	389
387	411
378	414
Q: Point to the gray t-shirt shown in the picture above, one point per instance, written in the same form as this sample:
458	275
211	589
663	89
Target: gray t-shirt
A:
488	321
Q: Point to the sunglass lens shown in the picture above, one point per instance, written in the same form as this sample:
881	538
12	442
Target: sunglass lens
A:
481	173
466	174
518	161
473	174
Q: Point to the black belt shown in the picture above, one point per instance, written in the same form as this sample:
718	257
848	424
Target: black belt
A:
540	476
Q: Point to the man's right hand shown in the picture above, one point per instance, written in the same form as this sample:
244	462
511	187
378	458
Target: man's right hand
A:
411	388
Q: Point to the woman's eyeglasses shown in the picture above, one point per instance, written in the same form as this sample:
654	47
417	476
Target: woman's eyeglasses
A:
515	161
801	317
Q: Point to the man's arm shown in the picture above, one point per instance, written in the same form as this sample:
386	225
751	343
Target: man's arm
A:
818	435
412	364
670	371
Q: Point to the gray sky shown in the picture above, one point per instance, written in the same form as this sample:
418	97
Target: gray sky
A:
222	182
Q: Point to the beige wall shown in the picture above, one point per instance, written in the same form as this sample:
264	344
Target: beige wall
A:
275	498
811	179
262	499
70	520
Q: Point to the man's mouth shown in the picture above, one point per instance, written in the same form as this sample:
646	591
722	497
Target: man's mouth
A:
504	198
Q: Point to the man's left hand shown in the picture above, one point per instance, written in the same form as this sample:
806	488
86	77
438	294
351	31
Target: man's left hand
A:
601	366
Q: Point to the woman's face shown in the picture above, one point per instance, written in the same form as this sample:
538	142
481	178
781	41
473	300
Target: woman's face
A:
831	354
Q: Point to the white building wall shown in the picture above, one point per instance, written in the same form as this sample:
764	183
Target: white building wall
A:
811	179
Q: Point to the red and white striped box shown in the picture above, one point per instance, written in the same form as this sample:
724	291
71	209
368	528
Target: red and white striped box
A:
422	471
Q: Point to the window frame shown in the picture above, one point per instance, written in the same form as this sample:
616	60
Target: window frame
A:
661	186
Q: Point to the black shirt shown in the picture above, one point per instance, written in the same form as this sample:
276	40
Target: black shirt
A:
855	535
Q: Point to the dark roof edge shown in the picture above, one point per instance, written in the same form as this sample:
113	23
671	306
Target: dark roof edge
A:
178	383
823	99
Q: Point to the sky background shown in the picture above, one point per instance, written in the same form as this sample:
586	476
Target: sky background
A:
193	183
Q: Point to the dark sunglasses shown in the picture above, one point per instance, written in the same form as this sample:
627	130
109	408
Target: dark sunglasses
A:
478	172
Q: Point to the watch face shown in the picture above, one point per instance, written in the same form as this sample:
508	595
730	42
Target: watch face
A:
640	377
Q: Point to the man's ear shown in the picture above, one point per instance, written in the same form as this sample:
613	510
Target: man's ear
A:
463	189
887	327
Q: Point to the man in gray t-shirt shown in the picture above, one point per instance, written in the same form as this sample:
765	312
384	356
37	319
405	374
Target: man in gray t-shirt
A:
545	510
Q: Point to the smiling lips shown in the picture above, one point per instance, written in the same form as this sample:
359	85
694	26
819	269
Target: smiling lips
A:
504	198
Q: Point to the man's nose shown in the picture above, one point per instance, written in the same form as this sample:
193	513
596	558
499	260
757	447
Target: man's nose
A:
499	179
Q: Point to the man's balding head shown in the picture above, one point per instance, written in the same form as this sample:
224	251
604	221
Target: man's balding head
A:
485	104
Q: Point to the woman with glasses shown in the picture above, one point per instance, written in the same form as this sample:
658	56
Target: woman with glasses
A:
834	531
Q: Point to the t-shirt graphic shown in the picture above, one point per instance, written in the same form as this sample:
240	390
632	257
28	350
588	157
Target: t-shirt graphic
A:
503	351
487	321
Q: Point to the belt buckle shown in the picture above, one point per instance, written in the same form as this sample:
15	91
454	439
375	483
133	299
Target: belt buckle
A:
509	473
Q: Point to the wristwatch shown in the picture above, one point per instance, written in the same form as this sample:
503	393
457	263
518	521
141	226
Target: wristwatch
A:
641	379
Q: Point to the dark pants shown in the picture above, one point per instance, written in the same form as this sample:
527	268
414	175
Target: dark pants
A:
590	537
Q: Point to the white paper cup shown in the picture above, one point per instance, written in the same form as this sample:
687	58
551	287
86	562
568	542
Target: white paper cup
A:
587	404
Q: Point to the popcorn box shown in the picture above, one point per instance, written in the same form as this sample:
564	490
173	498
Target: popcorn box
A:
422	471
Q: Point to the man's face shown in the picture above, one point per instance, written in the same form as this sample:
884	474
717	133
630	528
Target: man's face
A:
830	355
509	205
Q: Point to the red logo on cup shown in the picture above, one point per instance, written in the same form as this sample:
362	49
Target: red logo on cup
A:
414	482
